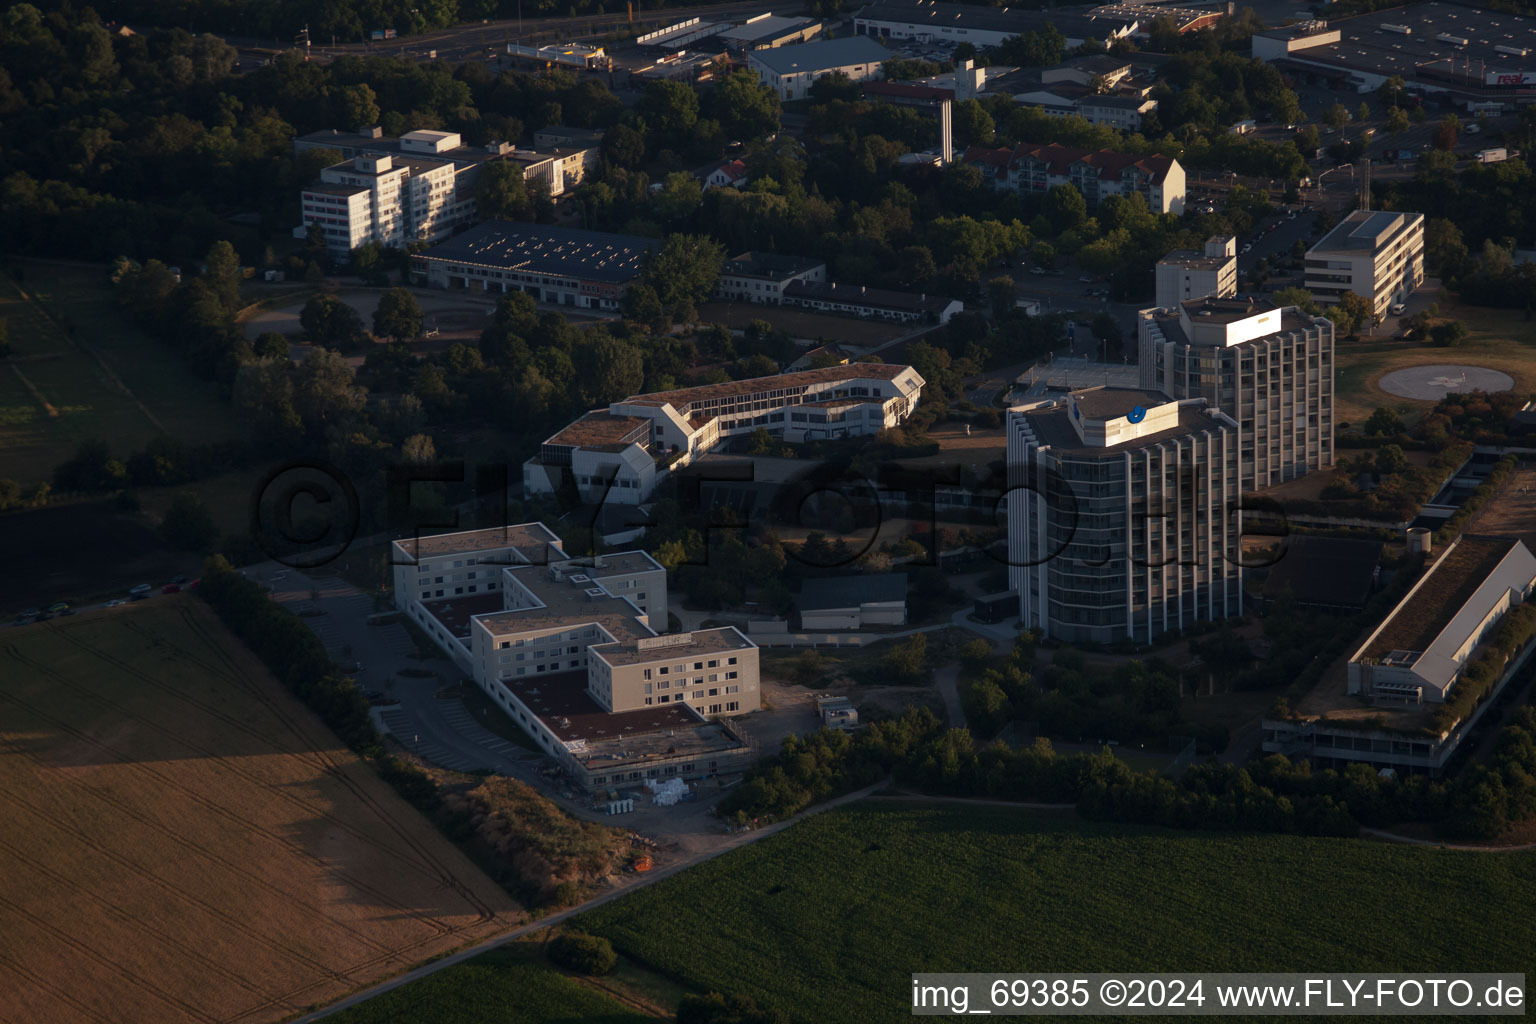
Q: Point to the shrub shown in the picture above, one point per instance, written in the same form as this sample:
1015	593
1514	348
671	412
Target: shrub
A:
583	953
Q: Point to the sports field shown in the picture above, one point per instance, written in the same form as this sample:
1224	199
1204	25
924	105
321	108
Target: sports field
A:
181	841
829	919
105	382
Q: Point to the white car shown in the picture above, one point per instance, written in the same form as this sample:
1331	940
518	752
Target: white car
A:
116	602
1399	309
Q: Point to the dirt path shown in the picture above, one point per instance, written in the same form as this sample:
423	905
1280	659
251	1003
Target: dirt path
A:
1393	837
739	840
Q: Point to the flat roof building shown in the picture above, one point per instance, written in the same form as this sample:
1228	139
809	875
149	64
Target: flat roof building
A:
1186	274
791	70
559	265
931	21
554	642
1377	254
417	187
1268	368
768	31
853	602
1122	514
1473	55
1418	652
613	460
871	303
762	276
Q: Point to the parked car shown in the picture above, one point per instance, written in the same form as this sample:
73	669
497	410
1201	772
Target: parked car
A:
171	588
1085	279
1399	309
178	580
60	608
31	613
139	592
116	602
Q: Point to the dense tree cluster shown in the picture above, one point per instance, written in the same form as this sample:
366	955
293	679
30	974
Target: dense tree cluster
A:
291	651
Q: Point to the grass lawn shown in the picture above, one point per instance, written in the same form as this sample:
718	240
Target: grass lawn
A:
182	841
108	382
510	985
829	919
1499	339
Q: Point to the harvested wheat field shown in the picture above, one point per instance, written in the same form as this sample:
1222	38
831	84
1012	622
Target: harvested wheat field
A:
181	840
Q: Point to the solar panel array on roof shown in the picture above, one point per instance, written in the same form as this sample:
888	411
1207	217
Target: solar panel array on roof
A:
546	249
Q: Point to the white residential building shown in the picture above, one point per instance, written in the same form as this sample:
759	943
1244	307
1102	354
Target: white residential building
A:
1186	274
1377	254
790	70
417	188
1036	169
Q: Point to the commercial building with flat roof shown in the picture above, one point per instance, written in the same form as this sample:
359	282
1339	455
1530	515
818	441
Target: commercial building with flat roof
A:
1186	274
559	265
853	602
1123	518
768	32
1268	368
542	633
1479	57
615	460
1377	254
1416	655
790	70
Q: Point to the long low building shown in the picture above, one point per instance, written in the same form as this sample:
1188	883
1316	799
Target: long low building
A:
1413	663
1417	654
614	455
871	303
567	649
558	265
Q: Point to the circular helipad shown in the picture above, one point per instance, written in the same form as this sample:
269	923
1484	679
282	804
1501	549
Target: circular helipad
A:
1432	383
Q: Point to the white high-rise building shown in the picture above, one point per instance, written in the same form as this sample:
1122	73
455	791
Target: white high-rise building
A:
1123	518
1269	369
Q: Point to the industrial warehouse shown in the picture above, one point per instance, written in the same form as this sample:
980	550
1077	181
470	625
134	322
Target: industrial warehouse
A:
1483	59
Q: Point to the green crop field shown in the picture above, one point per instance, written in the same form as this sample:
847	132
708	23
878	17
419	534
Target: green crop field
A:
108	382
829	919
505	986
